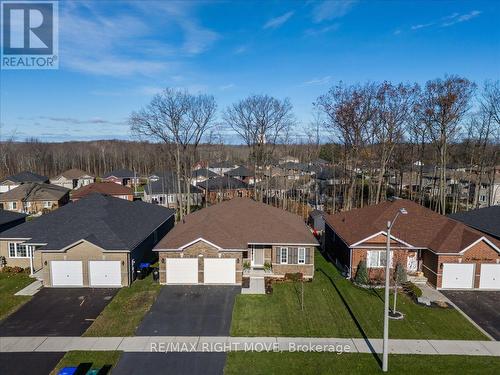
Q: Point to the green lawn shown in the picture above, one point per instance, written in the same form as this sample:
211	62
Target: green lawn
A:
240	363
334	307
94	359
122	315
10	283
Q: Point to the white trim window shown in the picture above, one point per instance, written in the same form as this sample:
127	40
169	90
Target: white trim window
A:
13	206
376	258
18	250
284	255
47	204
301	255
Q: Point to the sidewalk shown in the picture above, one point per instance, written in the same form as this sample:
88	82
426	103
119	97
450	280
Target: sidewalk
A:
219	344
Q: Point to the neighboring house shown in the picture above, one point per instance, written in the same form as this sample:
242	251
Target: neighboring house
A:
9	219
11	182
202	174
486	220
124	177
224	188
288	159
73	179
317	220
242	173
163	191
98	241
450	254
34	198
216	245
222	167
107	188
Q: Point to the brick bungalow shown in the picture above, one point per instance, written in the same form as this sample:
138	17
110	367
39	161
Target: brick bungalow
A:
215	244
448	253
97	241
106	188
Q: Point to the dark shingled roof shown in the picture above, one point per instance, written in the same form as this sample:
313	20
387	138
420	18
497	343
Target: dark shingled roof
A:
26	176
120	173
421	227
238	222
34	191
203	172
108	222
167	184
241	171
224	183
9	216
486	219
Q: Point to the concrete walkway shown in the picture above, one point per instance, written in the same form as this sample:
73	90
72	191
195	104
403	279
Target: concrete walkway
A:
258	344
257	286
31	289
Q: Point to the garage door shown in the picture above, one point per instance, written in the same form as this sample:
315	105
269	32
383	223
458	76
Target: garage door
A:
458	276
220	271
490	276
66	273
105	273
182	271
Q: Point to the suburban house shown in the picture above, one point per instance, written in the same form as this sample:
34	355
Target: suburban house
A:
97	241
9	219
242	173
34	198
202	174
73	179
288	159
164	191
449	254
218	244
223	188
124	177
486	220
222	167
11	182
107	188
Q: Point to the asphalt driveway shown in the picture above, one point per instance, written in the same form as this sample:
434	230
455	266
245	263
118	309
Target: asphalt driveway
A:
194	310
28	363
171	363
482	307
57	312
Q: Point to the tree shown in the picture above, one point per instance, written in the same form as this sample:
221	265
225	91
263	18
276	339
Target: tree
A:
361	273
443	105
261	121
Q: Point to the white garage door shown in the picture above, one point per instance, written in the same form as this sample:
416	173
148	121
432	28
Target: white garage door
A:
490	276
458	276
182	271
105	273
220	271
66	273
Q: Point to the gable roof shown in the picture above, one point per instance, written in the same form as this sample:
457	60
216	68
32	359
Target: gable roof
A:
486	220
421	227
236	223
34	191
167	184
203	172
108	188
222	164
241	171
10	216
121	173
108	222
222	183
26	176
73	174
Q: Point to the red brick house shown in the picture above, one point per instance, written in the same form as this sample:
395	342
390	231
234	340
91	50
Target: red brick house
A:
450	254
107	188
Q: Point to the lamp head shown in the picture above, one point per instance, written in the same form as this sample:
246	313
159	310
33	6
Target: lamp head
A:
403	211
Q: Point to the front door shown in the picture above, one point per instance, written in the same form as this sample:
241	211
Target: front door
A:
258	257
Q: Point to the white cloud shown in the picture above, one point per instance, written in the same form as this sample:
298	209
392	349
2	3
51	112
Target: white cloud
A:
321	30
329	10
422	26
227	87
458	18
318	81
240	49
276	22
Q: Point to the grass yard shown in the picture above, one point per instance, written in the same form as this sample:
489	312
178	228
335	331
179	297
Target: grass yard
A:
122	315
334	307
11	283
239	363
92	359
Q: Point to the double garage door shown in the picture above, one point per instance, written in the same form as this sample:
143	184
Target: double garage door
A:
461	276
69	273
215	271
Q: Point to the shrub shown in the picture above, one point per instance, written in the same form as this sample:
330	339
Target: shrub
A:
7	269
399	274
361	273
412	290
27	270
267	266
246	265
17	269
297	276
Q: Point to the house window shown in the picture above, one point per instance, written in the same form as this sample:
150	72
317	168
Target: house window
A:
17	250
376	259
13	205
284	255
12	250
301	258
47	204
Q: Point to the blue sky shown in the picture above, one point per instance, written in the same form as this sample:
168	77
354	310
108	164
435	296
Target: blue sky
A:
115	55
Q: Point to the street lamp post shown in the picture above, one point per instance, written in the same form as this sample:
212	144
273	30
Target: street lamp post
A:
385	354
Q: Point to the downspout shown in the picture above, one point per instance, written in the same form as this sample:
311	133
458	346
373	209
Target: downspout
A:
350	264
